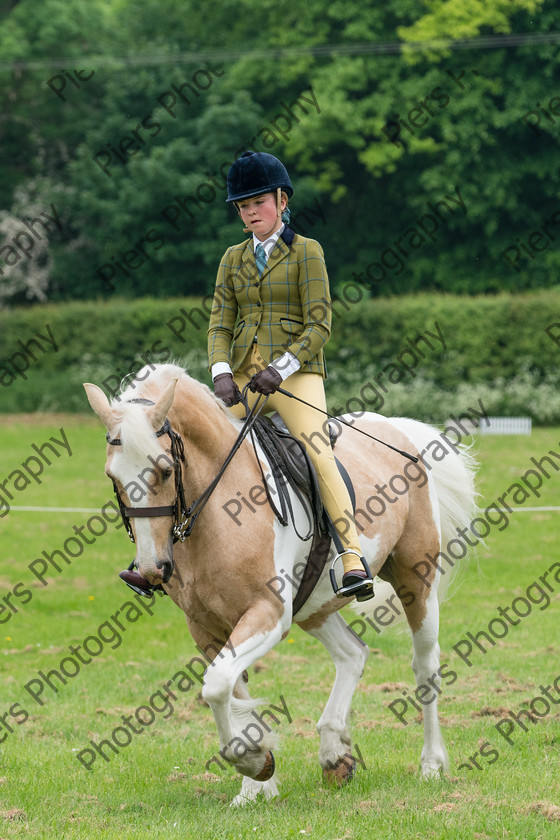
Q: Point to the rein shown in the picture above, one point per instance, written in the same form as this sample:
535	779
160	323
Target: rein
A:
184	518
346	423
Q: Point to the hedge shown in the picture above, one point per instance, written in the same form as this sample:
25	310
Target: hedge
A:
498	344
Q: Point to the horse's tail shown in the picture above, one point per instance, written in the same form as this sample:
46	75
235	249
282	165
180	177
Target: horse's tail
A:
454	479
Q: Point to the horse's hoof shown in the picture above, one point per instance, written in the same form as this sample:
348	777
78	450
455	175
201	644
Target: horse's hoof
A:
342	772
268	768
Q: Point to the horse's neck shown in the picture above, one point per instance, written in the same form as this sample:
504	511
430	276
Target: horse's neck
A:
207	432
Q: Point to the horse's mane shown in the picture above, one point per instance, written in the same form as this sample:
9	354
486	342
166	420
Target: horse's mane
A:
148	382
136	432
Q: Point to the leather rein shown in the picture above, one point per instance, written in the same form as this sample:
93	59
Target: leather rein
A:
184	517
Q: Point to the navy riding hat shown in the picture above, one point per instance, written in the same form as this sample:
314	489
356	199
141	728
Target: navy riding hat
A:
255	173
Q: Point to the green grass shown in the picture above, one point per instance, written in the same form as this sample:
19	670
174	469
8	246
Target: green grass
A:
158	786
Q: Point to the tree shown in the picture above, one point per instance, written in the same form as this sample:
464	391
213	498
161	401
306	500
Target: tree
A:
416	167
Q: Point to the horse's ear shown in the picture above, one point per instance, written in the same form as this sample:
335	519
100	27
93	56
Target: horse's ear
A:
99	403
158	413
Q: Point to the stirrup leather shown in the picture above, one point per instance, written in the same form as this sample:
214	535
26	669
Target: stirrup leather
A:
349	591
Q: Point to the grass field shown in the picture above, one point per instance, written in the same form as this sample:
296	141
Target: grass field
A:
159	785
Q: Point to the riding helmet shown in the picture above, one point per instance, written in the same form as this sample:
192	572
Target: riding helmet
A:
255	173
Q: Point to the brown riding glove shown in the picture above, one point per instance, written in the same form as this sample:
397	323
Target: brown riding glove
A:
266	381
226	389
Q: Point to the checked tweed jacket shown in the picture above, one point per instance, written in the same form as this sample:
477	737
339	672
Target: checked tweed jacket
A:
287	308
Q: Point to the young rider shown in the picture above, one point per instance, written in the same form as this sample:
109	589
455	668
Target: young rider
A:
271	317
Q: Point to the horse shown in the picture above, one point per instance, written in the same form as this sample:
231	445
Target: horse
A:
235	574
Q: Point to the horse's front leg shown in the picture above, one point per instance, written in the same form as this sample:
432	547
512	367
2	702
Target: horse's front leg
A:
250	789
245	739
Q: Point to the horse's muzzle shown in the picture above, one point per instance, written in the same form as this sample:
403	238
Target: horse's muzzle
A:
166	567
156	572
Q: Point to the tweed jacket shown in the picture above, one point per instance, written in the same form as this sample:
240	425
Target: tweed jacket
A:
288	308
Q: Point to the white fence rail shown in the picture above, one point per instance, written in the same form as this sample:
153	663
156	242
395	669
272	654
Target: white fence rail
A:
506	426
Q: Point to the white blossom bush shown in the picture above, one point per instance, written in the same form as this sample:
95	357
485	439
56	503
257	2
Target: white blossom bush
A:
29	275
526	395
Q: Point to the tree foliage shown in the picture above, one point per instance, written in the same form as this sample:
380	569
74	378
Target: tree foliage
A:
126	116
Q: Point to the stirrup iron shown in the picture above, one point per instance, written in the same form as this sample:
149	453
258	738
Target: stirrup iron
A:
349	591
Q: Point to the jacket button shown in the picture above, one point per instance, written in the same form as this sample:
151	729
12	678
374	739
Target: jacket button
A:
258	303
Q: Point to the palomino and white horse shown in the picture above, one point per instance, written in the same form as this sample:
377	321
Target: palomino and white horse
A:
224	569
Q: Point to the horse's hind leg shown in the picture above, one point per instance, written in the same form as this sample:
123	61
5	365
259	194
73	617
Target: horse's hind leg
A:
349	655
426	667
423	617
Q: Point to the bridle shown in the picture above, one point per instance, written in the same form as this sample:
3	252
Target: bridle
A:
184	517
178	509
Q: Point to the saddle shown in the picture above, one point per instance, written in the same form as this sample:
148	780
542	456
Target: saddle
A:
290	465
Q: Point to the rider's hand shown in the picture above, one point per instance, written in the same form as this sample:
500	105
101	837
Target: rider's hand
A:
266	381
226	389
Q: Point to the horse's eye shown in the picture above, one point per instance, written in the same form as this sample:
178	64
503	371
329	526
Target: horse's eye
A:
165	474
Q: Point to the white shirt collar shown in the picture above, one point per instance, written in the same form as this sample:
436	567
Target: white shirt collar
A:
270	243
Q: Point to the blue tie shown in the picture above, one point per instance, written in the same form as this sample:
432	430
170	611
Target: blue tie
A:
260	256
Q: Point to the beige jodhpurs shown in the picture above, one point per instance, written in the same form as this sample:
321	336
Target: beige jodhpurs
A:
311	428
